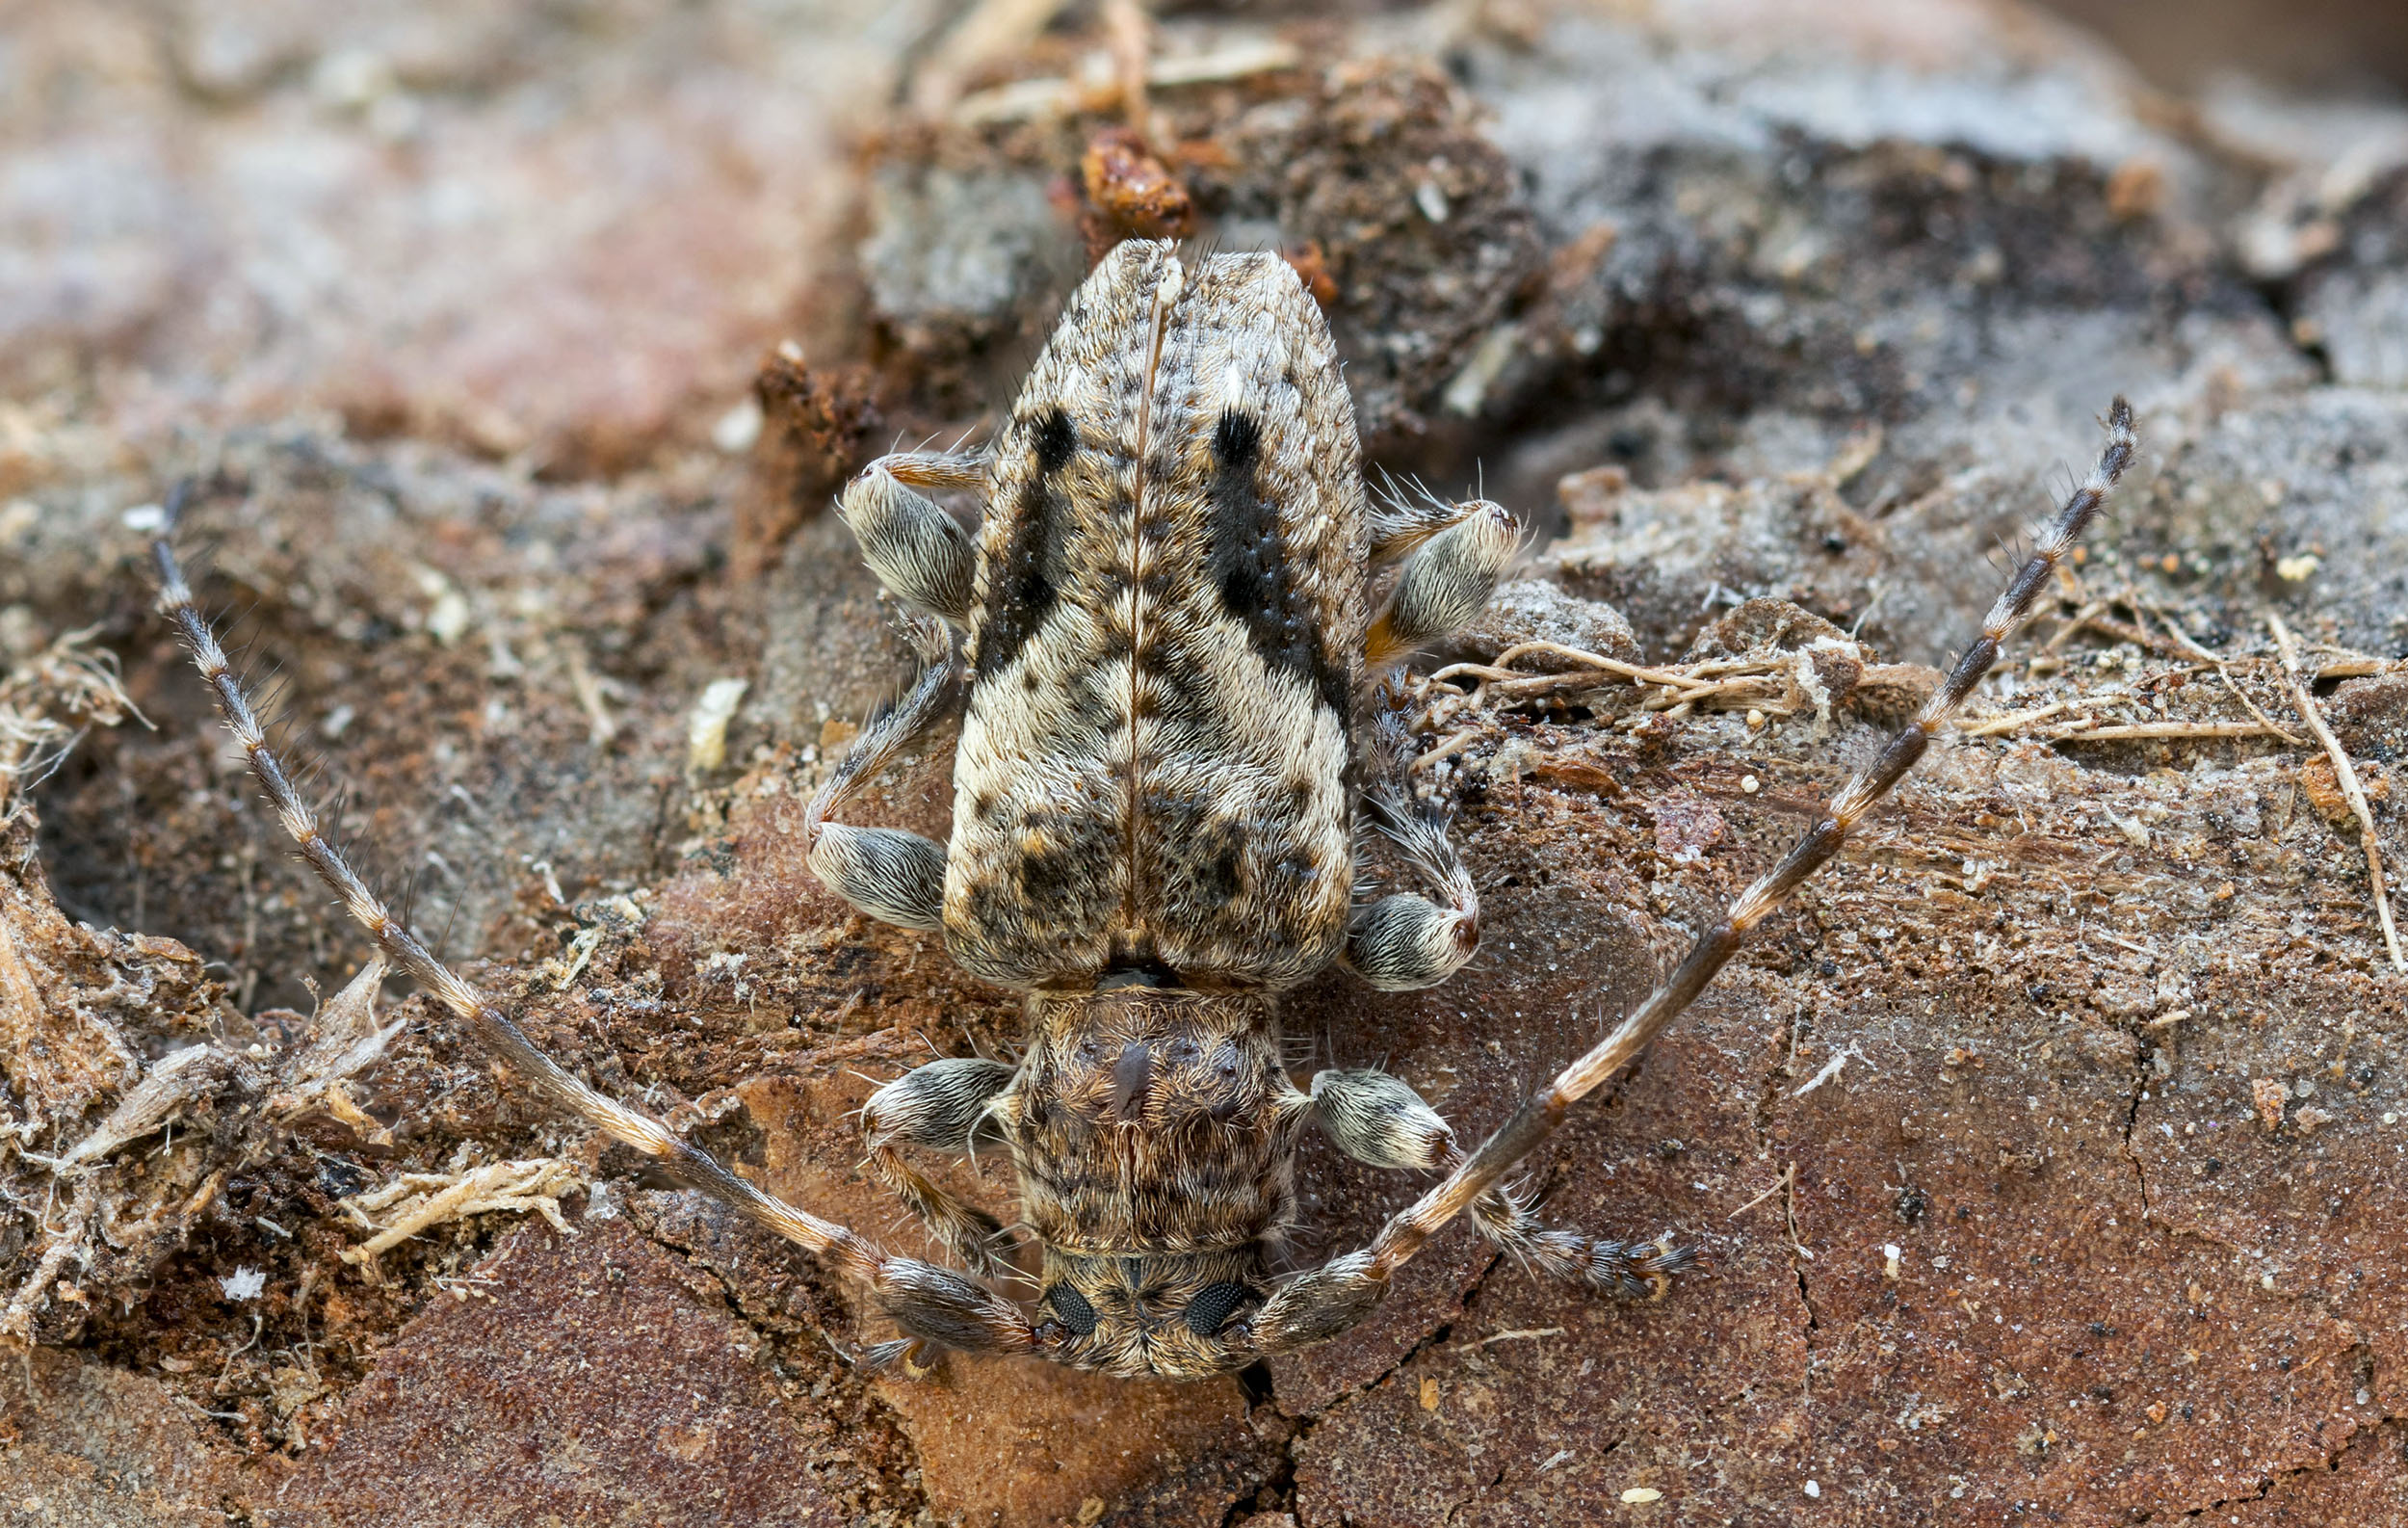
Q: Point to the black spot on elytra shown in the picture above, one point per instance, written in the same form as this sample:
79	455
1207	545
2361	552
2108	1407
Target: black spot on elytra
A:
1047	878
1216	877
992	911
1250	565
1237	442
1200	859
1057	441
1023	591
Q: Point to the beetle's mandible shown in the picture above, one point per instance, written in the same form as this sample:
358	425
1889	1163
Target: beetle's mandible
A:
1168	642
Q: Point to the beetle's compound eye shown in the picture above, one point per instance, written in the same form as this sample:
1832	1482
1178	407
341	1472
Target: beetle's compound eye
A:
1209	1311
1072	1308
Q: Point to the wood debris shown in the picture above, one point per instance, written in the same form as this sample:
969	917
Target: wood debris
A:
2346	775
415	1201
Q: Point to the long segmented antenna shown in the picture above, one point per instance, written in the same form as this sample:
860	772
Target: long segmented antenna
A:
933	1304
1305	1309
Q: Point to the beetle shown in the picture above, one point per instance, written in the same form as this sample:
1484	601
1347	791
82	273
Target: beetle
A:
1165	650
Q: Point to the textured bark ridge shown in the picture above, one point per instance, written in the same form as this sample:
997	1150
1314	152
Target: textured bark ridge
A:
2040	1151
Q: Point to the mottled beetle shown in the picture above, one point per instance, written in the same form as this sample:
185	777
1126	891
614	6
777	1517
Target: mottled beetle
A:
1173	736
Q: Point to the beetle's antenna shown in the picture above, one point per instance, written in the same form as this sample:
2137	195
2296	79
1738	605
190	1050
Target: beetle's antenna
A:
1337	1295
934	1303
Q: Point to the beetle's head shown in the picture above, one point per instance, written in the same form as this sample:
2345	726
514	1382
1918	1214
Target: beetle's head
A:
1153	1124
1152	1131
1178	1316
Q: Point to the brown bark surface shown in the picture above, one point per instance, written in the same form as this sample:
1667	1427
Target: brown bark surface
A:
2042	1152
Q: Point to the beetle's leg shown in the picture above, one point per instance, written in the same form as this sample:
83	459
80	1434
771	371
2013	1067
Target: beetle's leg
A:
1449	573
1630	1269
939	1106
919	552
1377	1117
935	1305
1402	942
894	876
1404	514
1325	1300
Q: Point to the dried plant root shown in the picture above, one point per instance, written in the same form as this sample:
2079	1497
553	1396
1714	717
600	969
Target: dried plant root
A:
415	1201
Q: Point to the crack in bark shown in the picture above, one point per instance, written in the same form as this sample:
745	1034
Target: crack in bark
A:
1310	1422
1768	1099
1767	1095
1799	1259
1454	1508
1307	1424
2362	1348
2149	1215
903	1487
2132	1117
1277	1492
2330	1465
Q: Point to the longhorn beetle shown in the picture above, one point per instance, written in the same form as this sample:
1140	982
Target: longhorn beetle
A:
1170	678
